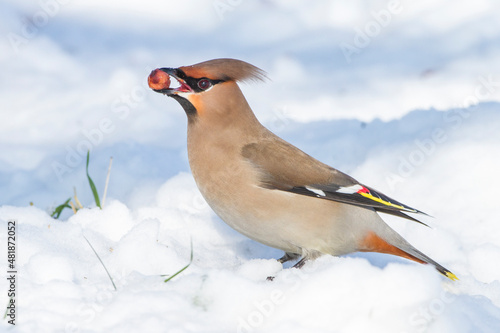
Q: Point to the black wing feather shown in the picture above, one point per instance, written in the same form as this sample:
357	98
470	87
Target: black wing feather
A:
388	205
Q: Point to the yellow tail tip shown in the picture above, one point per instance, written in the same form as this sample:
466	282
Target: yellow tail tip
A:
451	276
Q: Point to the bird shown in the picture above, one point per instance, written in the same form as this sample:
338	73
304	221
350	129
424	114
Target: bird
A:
266	188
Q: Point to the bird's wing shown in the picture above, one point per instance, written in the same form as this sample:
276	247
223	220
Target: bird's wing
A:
284	167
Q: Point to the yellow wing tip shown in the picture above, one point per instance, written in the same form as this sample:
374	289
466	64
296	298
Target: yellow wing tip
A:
451	276
387	203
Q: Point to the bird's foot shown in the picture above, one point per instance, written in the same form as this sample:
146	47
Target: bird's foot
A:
300	263
288	256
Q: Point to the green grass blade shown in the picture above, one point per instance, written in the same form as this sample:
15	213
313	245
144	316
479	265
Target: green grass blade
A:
58	210
92	185
109	275
185	267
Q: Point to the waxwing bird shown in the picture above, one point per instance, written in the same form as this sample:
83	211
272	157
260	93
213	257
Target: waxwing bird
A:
266	188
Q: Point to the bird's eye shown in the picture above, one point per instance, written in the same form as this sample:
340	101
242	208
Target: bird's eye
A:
204	84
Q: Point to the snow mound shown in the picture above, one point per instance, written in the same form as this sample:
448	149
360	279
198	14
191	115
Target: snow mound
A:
63	286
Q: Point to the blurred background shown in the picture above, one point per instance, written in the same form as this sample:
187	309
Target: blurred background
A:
74	79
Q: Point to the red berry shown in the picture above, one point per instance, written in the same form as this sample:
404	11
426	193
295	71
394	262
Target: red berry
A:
158	80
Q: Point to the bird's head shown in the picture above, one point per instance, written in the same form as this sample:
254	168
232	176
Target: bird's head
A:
209	86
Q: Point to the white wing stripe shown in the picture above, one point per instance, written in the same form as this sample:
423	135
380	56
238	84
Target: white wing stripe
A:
350	189
315	190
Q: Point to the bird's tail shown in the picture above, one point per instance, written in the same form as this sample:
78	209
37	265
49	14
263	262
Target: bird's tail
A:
374	243
418	256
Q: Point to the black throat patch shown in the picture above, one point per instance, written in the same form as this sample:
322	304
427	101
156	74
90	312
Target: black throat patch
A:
186	105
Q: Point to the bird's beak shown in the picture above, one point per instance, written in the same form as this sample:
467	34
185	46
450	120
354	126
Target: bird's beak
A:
159	81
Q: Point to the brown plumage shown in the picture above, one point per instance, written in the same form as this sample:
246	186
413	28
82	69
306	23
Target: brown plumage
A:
268	189
226	70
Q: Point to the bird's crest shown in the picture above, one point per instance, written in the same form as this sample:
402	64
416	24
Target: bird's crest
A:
225	69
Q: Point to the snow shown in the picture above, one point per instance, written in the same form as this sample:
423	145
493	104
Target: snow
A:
402	95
